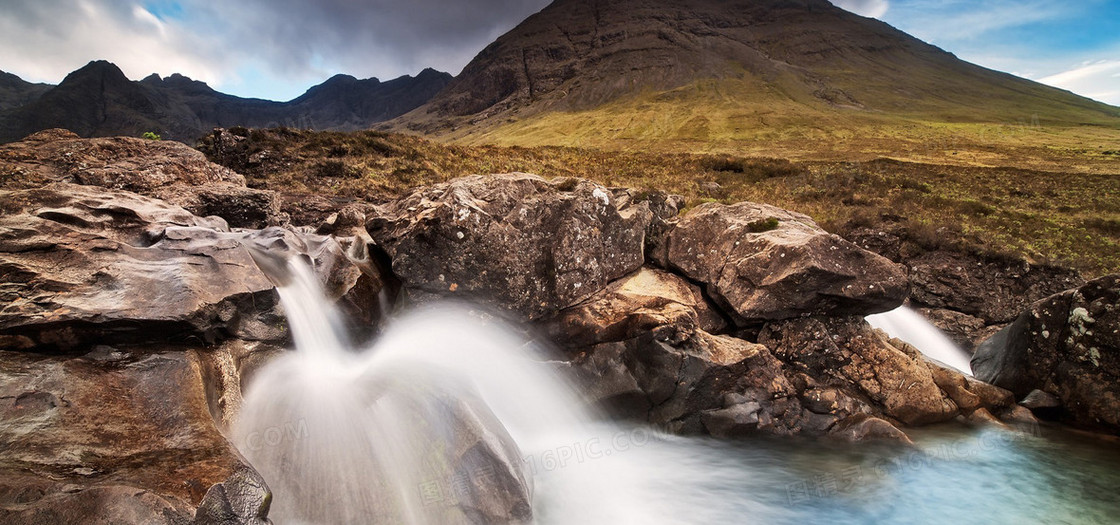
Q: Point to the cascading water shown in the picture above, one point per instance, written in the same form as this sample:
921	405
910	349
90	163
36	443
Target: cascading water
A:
344	436
908	325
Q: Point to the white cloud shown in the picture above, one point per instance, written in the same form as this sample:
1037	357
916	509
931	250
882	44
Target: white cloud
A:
868	8
44	40
1099	80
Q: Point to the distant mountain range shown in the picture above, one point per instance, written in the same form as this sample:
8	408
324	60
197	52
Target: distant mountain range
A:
99	100
604	73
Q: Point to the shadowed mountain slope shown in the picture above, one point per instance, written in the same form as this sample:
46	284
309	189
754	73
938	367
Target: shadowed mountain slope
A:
98	100
585	71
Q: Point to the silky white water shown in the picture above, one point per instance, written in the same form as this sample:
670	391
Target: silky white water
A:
364	421
346	437
908	325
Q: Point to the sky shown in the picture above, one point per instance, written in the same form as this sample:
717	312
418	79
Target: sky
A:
276	49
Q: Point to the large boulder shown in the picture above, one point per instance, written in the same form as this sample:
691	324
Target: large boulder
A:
764	263
641	348
516	241
84	265
1068	346
119	435
168	170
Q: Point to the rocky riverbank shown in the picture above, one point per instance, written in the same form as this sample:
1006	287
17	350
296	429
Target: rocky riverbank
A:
133	317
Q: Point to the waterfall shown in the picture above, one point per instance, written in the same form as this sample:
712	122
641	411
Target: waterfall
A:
906	324
345	435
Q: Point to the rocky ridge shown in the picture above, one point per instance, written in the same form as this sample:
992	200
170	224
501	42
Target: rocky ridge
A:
98	100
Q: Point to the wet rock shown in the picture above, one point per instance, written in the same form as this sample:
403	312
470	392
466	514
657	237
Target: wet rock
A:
123	441
765	263
964	330
640	350
847	353
242	499
1038	399
1067	345
865	428
515	241
84	266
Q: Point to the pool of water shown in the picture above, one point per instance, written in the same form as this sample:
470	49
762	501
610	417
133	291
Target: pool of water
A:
952	475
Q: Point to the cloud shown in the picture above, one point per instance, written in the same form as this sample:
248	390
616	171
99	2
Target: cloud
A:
1098	80
252	42
868	8
46	39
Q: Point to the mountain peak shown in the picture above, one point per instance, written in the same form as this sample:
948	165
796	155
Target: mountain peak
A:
343	78
804	56
101	71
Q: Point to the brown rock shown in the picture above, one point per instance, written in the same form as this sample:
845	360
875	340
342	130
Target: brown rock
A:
1067	345
863	428
84	265
846	352
992	290
641	302
765	263
515	241
118	436
163	169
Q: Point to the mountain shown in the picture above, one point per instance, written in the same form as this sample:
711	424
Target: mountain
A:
15	91
582	72
99	100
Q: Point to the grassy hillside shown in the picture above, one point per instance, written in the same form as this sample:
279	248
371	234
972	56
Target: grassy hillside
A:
741	118
1070	217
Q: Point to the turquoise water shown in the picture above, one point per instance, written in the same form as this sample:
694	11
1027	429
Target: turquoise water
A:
952	475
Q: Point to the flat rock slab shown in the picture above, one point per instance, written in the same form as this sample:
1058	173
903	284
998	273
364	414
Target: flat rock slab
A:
84	265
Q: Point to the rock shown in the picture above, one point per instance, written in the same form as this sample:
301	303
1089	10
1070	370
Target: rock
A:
163	169
84	266
964	330
124	441
968	393
1038	399
122	163
243	499
641	302
992	290
848	354
981	417
100	505
865	428
664	209
514	241
1067	345
764	263
241	207
701	384
1021	418
641	351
